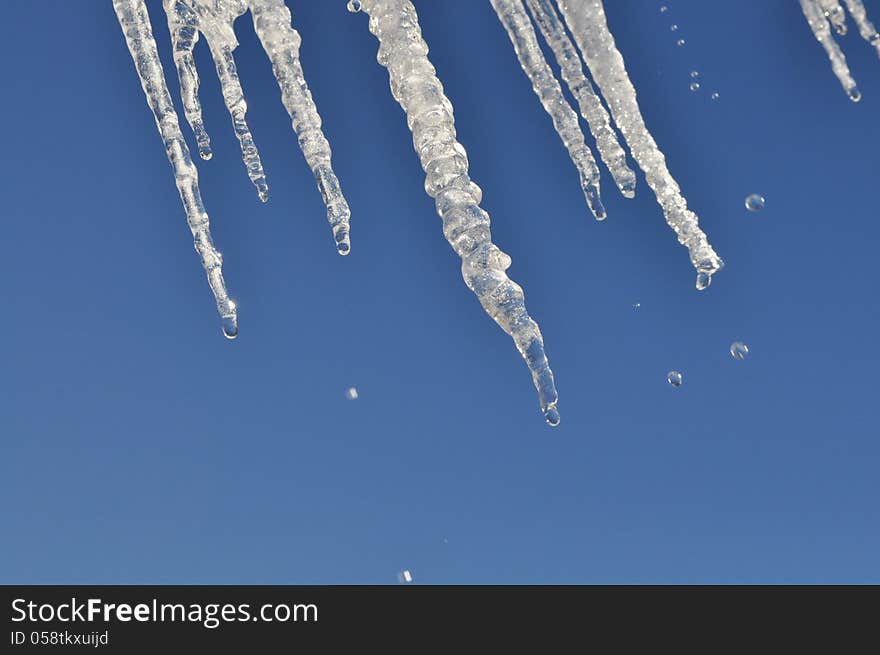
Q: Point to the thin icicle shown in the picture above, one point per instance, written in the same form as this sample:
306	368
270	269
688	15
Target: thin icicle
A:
588	25
135	23
866	29
590	105
835	15
281	42
519	28
183	24
215	18
415	86
819	24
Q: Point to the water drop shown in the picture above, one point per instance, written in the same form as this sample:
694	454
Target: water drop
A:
695	86
715	95
552	417
739	350
695	74
703	280
664	9
854	94
405	577
754	202
230	327
354	6
637	305
674	378
673	27
680	42
351	393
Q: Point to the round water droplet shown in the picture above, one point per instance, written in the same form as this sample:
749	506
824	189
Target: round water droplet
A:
552	417
354	6
715	95
695	86
854	94
674	378
673	27
695	74
637	305
230	327
754	202
351	393
680	42
739	350
664	9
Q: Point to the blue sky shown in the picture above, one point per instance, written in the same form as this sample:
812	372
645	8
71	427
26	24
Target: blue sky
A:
140	446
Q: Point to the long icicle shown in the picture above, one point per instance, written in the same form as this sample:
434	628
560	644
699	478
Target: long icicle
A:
281	42
519	28
588	25
429	113
135	23
866	28
590	105
819	25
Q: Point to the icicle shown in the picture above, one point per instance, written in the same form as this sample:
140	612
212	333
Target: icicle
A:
415	86
135	23
215	18
835	15
588	25
866	29
281	42
183	25
516	21
816	18
590	105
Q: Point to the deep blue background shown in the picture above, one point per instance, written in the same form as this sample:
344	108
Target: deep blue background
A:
139	445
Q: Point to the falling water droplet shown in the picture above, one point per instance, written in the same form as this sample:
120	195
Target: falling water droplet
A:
637	305
552	417
674	378
351	393
695	74
354	6
715	95
664	9
680	42
695	86
673	27
405	577
230	327
754	202
739	350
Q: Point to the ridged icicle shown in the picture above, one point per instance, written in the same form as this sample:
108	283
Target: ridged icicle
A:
815	16
135	23
588	25
414	85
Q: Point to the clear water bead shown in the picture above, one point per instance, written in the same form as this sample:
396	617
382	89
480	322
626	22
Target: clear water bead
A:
673	27
230	327
351	393
754	202
354	6
405	577
552	417
695	86
637	305
674	378
695	74
739	350
680	42
664	9
715	95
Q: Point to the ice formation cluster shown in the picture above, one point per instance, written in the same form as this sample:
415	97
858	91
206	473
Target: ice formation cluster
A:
825	15
577	33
